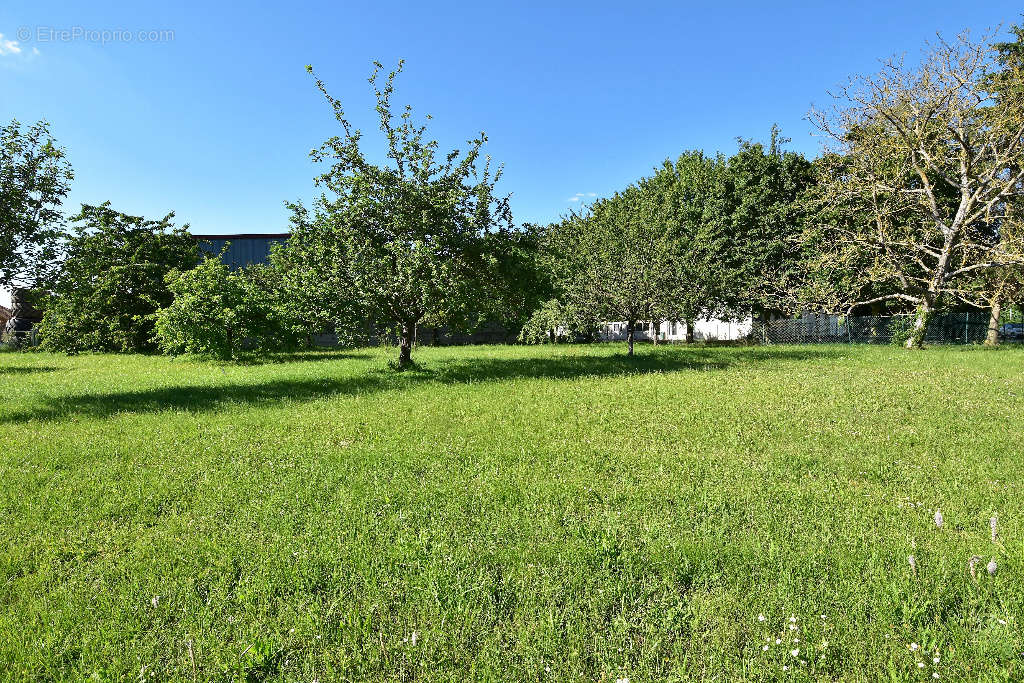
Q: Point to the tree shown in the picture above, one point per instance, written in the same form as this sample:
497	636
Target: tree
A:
926	161
406	237
622	251
112	283
218	312
35	177
763	211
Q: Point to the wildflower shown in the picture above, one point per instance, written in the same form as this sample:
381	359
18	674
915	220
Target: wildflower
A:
792	619
823	617
624	679
913	563
792	627
785	667
992	567
803	661
778	641
914	647
415	635
972	565
155	601
920	665
795	652
992	522
764	648
935	660
935	675
1002	622
938	518
760	617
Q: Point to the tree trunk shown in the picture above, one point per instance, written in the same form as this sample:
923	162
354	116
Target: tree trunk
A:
405	350
629	337
551	336
992	338
655	325
689	330
924	314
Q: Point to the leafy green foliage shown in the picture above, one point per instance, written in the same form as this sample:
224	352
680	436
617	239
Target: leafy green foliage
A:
35	177
403	242
112	282
217	312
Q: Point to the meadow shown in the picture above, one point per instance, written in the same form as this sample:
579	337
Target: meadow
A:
514	513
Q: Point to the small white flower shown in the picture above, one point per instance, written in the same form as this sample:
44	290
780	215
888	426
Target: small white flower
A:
914	647
992	567
1002	622
155	601
935	675
760	617
935	660
415	635
778	641
624	679
992	523
823	617
920	665
795	652
792	627
792	620
796	640
803	661
912	562
938	518
764	648
785	667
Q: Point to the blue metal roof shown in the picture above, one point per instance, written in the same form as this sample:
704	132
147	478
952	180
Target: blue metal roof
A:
242	250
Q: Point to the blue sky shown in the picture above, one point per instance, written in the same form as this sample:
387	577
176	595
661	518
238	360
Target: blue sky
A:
214	118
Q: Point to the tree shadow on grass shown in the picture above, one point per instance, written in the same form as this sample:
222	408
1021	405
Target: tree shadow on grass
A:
26	369
209	398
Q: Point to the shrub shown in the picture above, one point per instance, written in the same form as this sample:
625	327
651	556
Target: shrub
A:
217	312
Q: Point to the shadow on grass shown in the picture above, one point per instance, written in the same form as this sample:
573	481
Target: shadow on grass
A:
206	398
27	370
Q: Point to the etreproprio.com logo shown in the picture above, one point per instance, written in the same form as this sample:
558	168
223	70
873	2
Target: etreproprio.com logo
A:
103	36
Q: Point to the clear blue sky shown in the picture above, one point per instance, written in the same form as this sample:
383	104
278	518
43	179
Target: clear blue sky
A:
216	121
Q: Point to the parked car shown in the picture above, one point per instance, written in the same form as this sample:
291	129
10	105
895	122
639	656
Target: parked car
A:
1012	331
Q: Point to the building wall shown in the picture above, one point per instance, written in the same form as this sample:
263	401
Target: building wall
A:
242	250
703	330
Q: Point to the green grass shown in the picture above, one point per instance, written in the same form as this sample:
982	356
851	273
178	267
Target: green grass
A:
528	513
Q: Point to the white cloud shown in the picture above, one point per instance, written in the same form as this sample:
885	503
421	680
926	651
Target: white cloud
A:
9	47
579	196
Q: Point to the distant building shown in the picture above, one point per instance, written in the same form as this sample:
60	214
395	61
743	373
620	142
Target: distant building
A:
711	329
244	249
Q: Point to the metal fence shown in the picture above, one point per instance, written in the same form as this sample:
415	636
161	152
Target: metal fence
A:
943	328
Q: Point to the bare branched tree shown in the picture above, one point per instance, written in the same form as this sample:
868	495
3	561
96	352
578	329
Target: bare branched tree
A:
926	161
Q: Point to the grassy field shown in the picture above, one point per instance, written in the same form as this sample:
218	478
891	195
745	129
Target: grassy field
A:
528	513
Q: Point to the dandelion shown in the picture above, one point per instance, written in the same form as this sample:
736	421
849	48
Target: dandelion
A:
913	563
992	522
938	518
992	567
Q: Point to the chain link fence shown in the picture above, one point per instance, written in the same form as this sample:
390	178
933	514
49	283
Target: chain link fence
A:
943	328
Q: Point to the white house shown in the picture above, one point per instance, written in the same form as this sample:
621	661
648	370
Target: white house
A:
703	330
